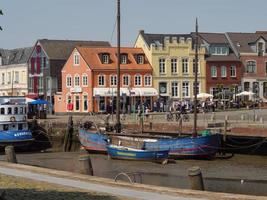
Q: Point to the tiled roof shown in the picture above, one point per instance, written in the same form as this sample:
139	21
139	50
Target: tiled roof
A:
152	38
61	49
15	56
241	41
214	38
92	57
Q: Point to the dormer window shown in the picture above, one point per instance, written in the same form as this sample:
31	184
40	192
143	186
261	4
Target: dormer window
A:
217	50
140	59
124	59
105	58
260	49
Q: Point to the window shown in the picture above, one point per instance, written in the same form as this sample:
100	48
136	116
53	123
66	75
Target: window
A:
40	85
125	80
260	49
85	80
198	88
68	81
162	66
16	77
213	71
219	50
124	59
185	65
223	71
16	110
137	80
175	89
9	110
30	84
266	67
48	83
76	80
105	58
101	80
174	66
163	88
185	88
76	59
77	103
233	71
85	102
113	80
148	80
265	89
140	59
251	66
2	111
194	66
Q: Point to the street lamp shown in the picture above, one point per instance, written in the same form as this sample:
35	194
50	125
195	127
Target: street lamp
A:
1	13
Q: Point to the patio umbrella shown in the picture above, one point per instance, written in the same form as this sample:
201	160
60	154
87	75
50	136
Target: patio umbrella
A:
204	95
245	93
28	100
39	101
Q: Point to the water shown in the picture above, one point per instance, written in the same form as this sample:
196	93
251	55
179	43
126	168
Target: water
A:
241	174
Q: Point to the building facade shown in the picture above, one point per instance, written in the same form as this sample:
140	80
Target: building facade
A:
251	48
223	67
46	62
173	61
89	81
13	71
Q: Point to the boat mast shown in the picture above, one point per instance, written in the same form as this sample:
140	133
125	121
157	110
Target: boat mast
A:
118	123
195	82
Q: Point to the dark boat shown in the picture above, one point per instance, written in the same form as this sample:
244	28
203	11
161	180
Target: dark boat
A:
127	153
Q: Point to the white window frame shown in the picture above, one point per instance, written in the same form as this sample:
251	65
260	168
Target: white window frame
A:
76	79
75	98
124	77
213	69
105	58
113	80
124	59
68	77
223	69
246	67
138	80
175	89
185	66
84	79
233	69
162	66
174	65
103	78
187	91
83	99
76	59
140	59
148	80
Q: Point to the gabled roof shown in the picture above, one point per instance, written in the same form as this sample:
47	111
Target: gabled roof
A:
15	56
152	38
241	41
61	49
214	38
92	57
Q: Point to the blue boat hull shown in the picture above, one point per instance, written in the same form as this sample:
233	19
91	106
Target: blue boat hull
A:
131	154
201	146
16	138
93	141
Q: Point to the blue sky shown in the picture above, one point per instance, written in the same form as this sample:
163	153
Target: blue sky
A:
25	21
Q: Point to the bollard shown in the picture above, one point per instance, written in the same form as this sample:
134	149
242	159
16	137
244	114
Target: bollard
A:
226	117
212	118
242	117
10	154
195	178
86	165
261	120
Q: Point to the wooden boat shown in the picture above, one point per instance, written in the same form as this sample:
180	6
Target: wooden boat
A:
13	122
127	153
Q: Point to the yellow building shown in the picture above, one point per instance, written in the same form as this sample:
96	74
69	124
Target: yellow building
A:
172	59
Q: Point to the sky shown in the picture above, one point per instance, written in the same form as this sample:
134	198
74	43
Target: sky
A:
25	21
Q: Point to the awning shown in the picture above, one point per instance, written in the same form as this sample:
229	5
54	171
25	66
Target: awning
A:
109	92
148	92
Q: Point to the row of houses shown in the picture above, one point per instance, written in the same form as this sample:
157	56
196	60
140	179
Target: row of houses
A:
158	66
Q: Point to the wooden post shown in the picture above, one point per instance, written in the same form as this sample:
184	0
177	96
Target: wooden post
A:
68	136
10	154
86	165
195	178
180	123
150	125
212	118
225	130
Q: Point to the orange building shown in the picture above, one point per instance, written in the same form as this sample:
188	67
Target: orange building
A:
89	80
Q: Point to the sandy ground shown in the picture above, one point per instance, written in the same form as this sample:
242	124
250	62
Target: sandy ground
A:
23	189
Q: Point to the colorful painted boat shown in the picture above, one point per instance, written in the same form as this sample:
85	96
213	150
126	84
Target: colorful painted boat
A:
13	122
127	153
198	147
93	141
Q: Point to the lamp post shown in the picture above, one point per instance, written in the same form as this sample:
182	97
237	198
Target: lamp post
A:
1	13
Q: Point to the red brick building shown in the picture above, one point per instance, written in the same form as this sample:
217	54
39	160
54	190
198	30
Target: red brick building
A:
89	80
